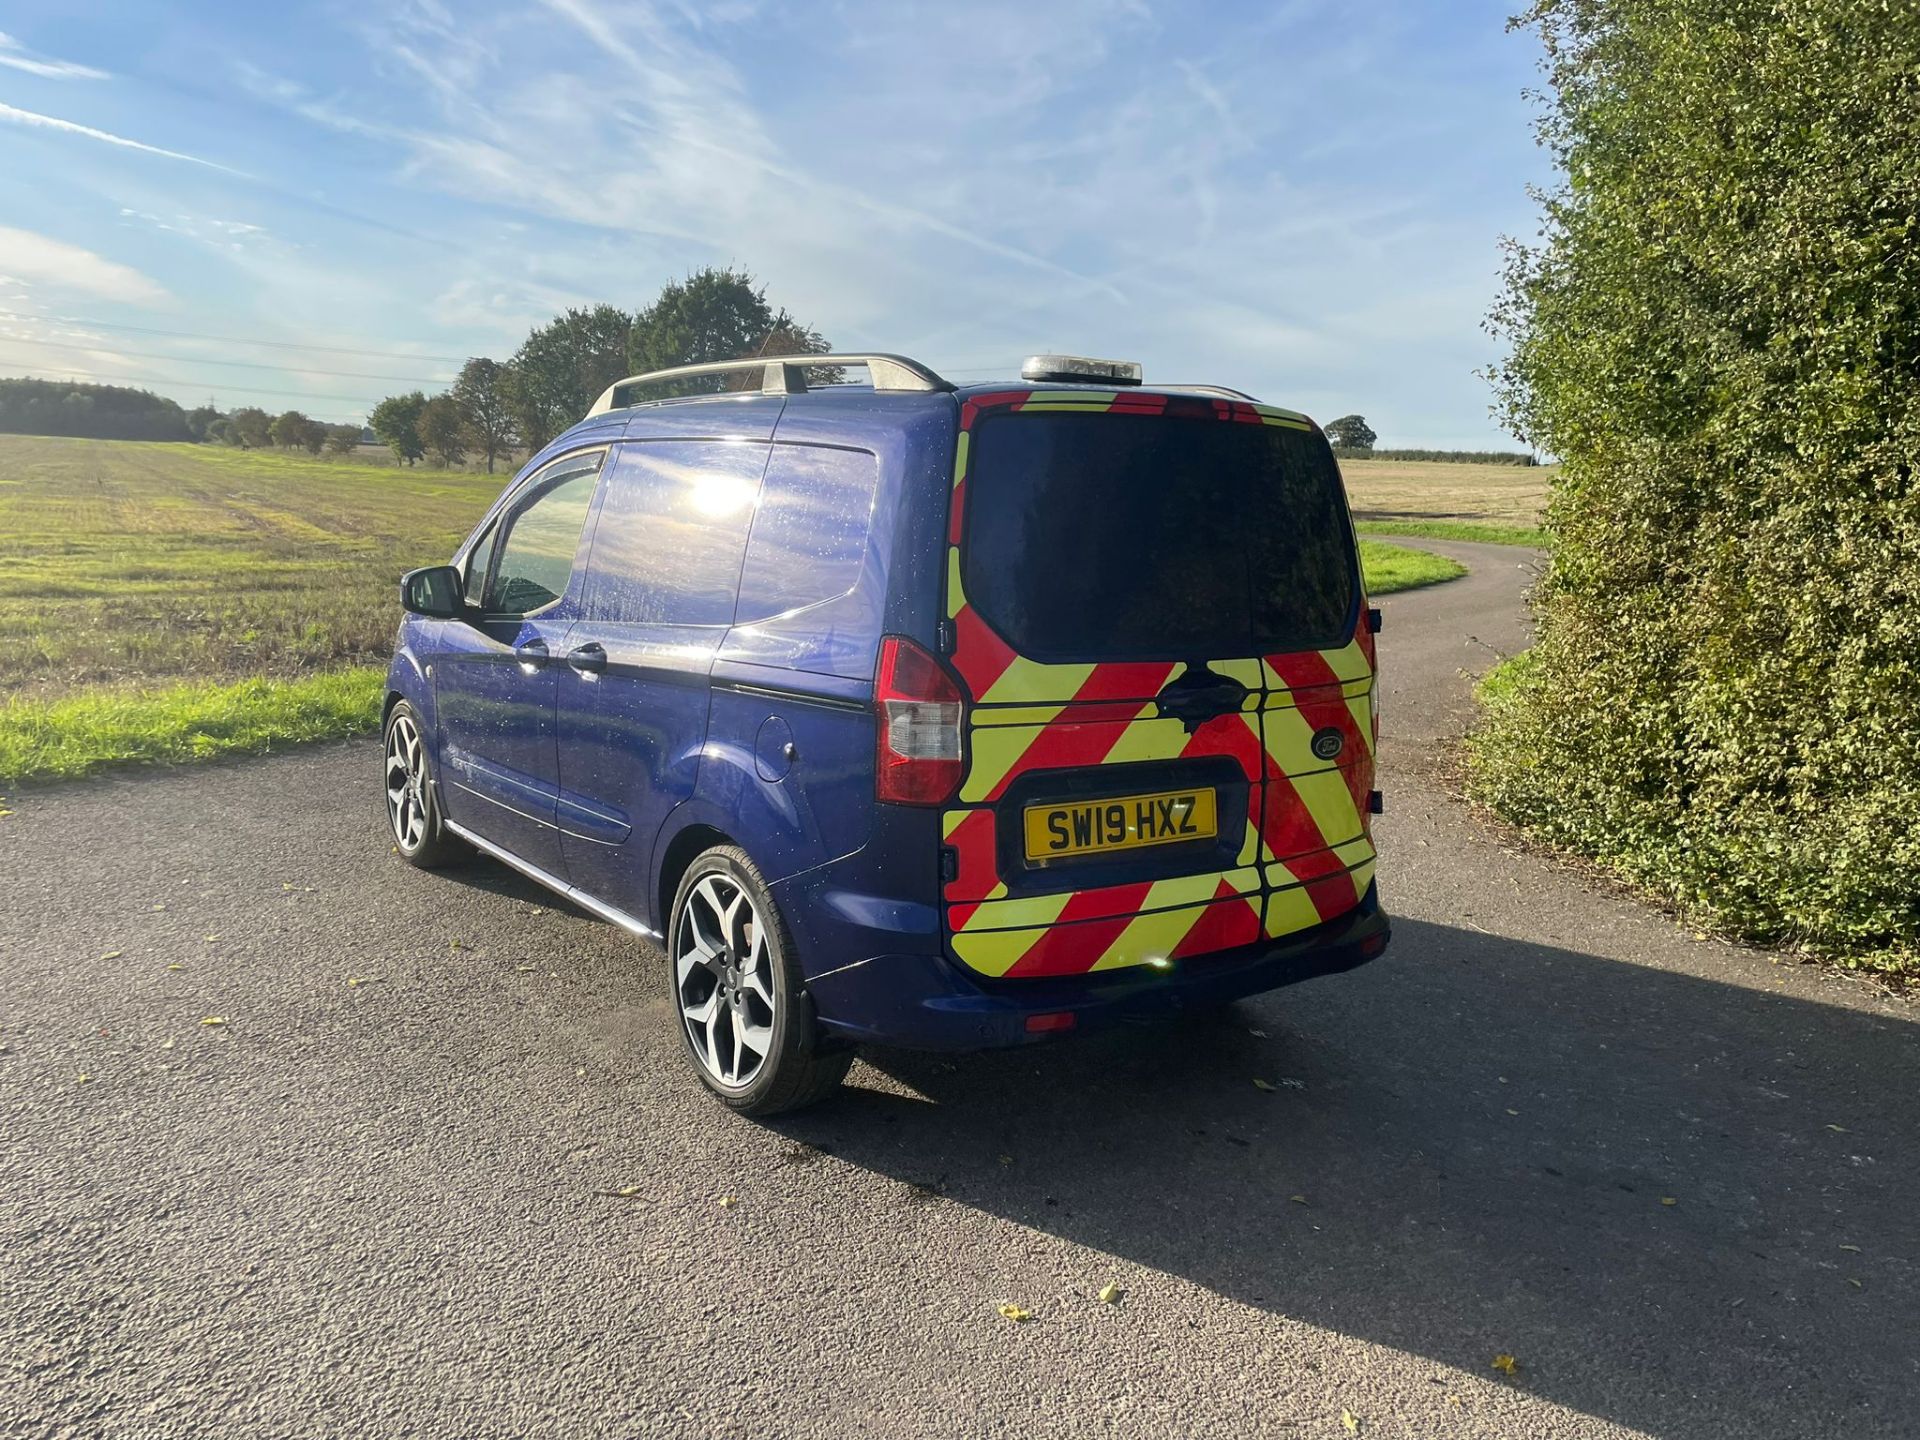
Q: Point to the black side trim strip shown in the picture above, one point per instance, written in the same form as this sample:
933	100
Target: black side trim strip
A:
804	697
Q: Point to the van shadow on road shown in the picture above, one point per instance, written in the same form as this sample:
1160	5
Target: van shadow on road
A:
1495	1151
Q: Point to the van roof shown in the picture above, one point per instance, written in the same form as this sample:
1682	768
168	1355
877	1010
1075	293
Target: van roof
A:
890	376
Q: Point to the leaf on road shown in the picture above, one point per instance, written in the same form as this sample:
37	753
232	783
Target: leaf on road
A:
160	905
1838	1129
1351	1421
1298	1199
111	955
1506	1364
176	965
1258	1034
167	1044
353	980
1110	1294
1260	1084
727	1202
212	938
85	1079
1668	1200
214	1020
1006	1159
1014	1313
1851	1249
1850	1280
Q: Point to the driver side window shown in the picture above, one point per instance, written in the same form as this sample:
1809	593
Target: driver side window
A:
535	544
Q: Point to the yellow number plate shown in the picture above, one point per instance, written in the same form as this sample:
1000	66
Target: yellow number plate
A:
1121	822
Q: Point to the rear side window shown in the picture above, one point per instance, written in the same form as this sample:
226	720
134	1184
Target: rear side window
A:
1122	537
672	530
810	533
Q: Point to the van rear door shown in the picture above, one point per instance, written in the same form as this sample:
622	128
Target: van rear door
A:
1133	581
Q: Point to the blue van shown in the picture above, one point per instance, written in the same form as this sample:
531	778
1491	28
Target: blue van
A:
941	716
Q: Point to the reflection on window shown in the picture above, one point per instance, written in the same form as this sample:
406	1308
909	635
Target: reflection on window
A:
536	559
810	536
667	546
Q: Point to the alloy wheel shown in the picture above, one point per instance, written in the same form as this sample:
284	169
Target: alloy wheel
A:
723	980
406	783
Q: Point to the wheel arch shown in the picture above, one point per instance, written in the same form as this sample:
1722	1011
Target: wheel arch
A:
686	846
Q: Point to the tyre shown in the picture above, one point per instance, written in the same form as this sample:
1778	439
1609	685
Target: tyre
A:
413	812
746	1022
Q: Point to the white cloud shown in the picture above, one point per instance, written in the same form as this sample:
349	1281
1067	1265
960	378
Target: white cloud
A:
220	234
16	56
39	260
35	120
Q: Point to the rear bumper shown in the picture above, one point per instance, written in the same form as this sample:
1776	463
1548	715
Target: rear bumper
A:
926	1002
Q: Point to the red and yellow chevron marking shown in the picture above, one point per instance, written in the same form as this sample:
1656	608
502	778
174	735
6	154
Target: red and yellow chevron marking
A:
1307	855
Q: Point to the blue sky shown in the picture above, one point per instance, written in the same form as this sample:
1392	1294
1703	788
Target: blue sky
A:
1297	198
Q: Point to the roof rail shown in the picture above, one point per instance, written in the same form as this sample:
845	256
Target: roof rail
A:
1222	391
785	375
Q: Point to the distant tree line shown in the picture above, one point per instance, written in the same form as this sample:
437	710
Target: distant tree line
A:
1353	439
1450	457
101	412
250	428
496	407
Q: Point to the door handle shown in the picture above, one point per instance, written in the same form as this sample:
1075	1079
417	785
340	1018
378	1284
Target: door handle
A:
532	654
588	659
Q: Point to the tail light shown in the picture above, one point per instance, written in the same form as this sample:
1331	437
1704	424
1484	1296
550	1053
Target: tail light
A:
917	740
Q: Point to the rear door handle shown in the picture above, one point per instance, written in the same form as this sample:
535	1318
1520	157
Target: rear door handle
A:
532	654
590	658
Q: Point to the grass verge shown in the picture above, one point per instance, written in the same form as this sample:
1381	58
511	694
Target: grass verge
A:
1485	532
1394	567
77	735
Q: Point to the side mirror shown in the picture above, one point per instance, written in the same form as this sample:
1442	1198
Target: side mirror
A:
434	591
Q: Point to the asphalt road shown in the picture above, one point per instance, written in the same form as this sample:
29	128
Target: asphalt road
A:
479	1194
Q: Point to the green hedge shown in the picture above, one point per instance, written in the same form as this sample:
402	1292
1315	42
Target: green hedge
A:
1720	337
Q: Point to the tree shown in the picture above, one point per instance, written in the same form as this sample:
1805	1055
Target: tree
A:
342	438
396	420
250	428
443	430
200	421
1351	432
313	436
1719	336
219	431
289	430
714	315
563	366
484	392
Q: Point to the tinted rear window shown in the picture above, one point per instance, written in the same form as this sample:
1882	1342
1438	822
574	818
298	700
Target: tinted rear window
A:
1123	537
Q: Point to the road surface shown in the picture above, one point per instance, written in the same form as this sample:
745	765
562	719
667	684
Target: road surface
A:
479	1193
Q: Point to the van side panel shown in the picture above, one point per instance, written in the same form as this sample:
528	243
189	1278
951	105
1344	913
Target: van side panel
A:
663	570
788	766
